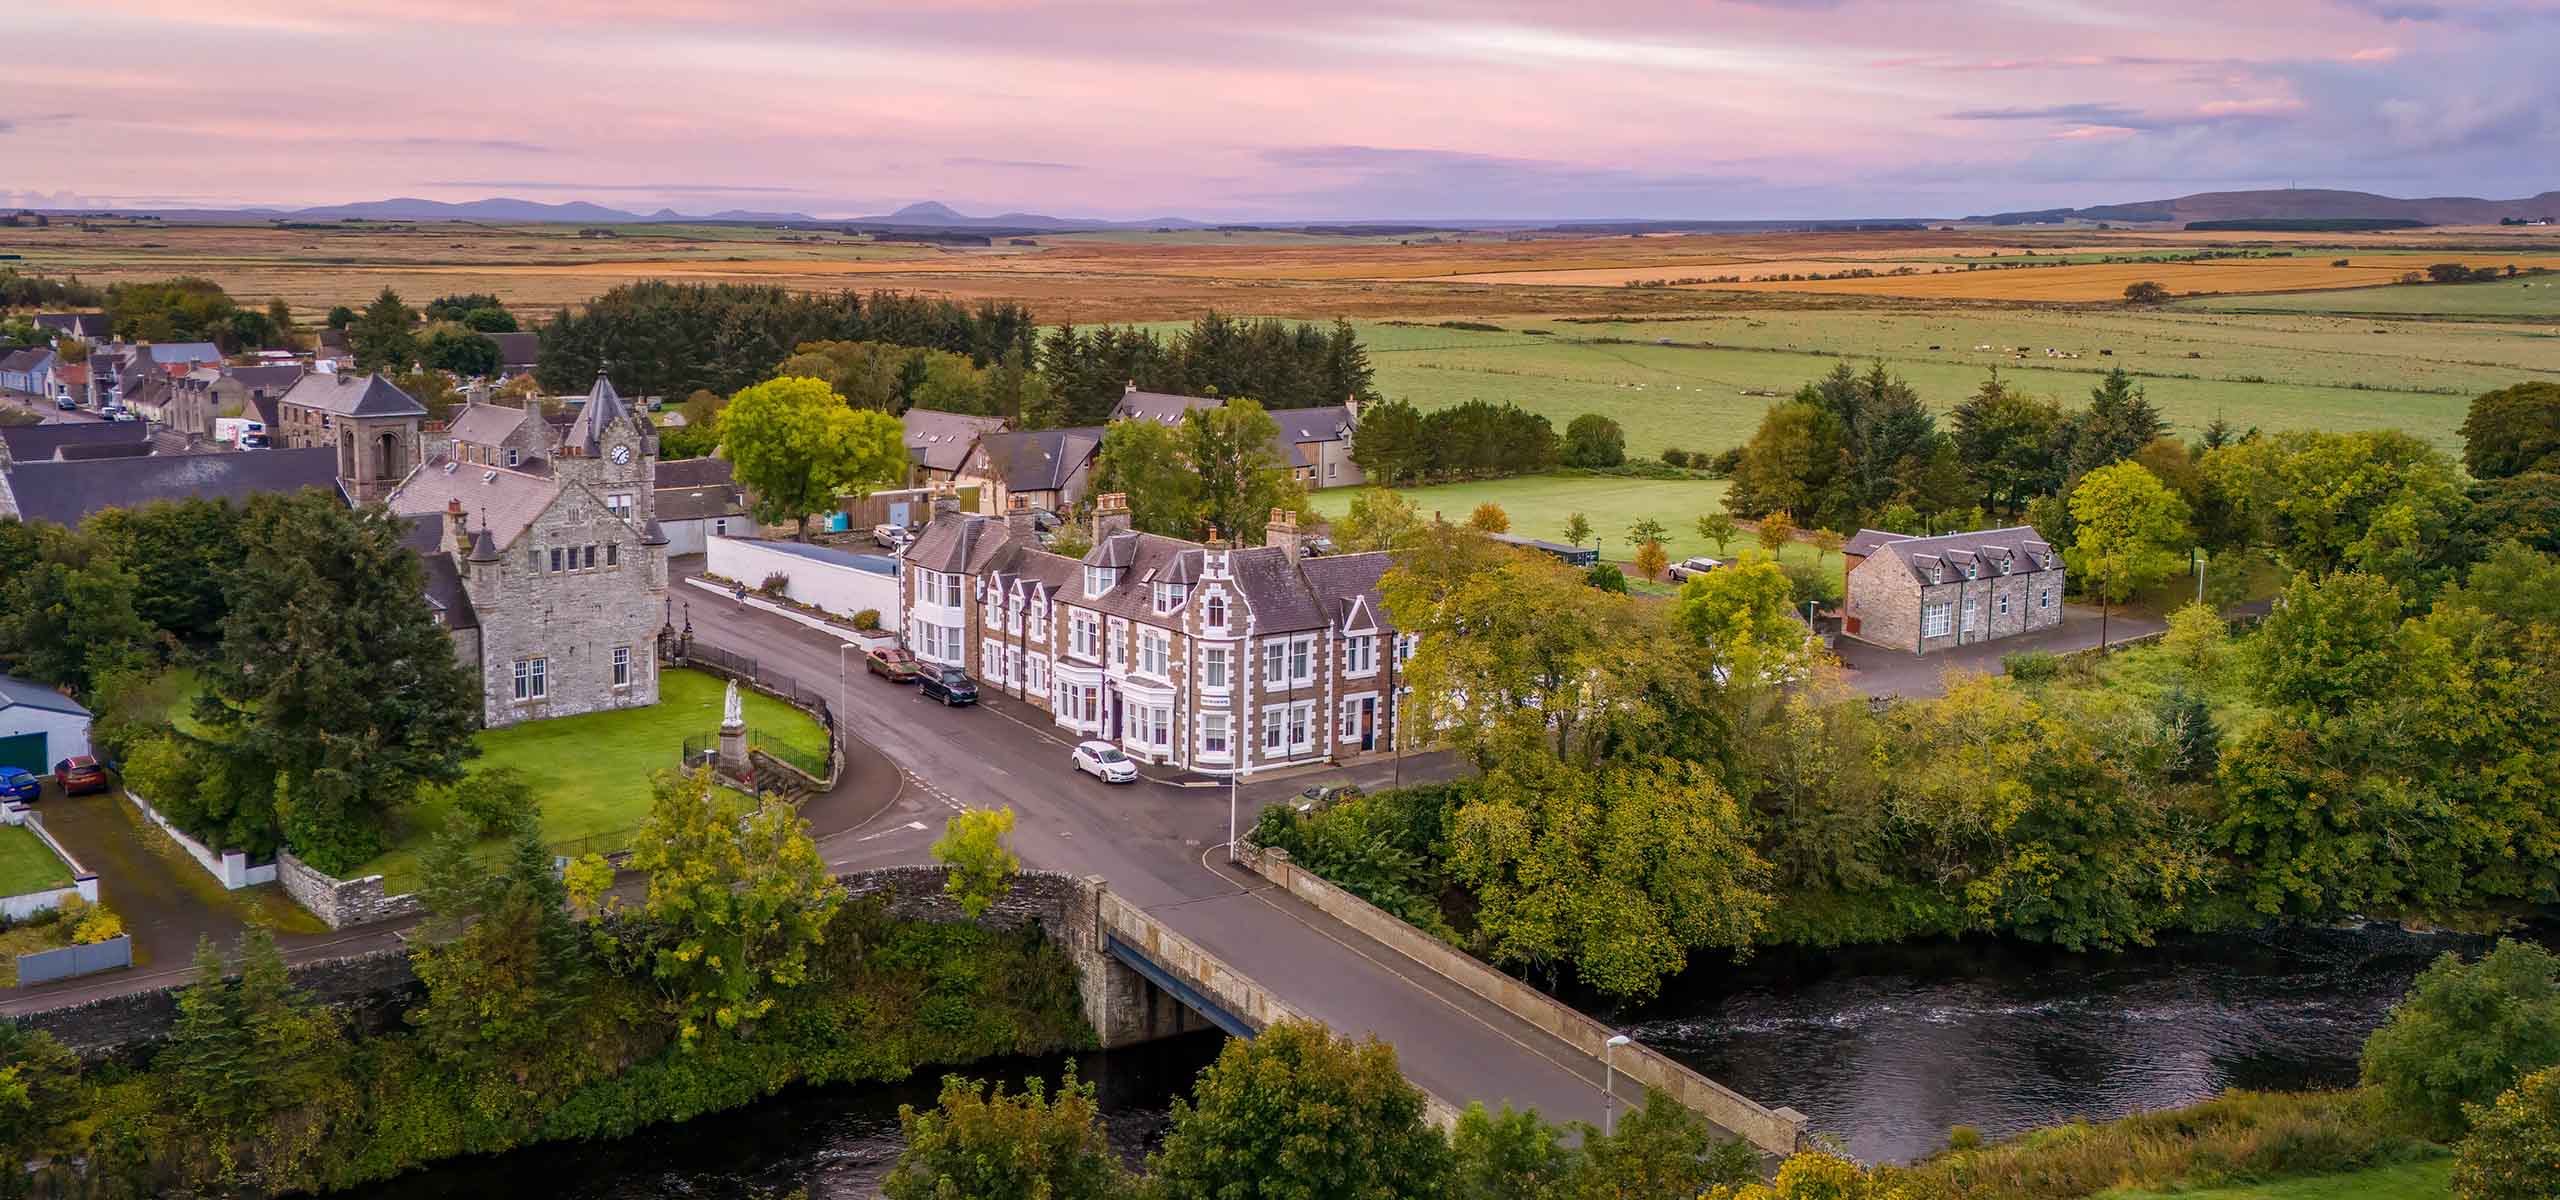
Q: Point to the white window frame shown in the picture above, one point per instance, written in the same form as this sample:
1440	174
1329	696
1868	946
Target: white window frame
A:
1937	618
1214	665
1359	654
2044	597
532	679
1035	673
2004	604
1302	661
1213	611
1275	663
991	660
1217	740
1099	580
1084	634
622	670
1155	648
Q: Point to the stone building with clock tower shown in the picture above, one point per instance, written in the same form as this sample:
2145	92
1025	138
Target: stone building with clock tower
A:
543	553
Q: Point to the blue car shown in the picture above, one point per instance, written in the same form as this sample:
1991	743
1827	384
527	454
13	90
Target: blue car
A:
17	784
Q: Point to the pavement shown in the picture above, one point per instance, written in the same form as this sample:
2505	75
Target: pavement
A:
1159	845
45	408
1899	674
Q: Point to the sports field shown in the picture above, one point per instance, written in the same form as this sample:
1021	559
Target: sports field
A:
1539	505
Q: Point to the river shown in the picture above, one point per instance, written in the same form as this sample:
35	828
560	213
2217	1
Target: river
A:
1885	1047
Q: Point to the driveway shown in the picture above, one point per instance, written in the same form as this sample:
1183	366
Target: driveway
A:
1877	671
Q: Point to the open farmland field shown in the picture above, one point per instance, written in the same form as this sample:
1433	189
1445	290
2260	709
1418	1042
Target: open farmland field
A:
1539	504
1707	388
2505	299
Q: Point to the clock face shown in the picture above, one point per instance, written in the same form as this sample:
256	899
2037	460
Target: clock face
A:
621	454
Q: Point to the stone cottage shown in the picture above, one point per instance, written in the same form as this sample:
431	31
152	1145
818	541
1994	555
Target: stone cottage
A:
1936	593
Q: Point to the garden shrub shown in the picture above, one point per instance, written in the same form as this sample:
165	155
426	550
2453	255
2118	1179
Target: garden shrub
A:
775	584
1675	456
2465	1034
868	618
491	802
167	773
2031	666
2513	1152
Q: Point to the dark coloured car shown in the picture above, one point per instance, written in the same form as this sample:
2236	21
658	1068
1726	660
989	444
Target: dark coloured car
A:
950	685
81	775
19	784
1326	795
890	663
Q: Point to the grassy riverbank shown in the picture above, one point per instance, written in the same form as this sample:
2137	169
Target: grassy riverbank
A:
2431	1180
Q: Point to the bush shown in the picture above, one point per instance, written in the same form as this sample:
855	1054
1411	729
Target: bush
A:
775	584
1675	456
2031	666
1593	440
168	773
492	802
2513	1152
868	618
2466	1033
1607	577
1723	463
1964	1137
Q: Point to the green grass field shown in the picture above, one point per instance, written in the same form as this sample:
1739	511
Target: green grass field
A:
592	772
26	865
2407	1181
1538	506
2530	298
1703	390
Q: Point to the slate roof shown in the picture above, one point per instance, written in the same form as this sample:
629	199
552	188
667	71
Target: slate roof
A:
2015	550
485	424
676	473
1341	580
267	406
25	360
165	353
1163	408
92	451
1866	541
1039	460
942	440
1280	598
1312	424
503	501
64	492
603	409
272	379
517	351
349	396
26	693
951	540
1114	550
699	503
88	326
426	537
36	443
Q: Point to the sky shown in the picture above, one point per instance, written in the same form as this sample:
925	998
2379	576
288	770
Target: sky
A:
1309	109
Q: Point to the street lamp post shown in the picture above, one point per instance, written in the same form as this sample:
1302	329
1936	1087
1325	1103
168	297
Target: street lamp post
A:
1609	1095
844	694
1235	771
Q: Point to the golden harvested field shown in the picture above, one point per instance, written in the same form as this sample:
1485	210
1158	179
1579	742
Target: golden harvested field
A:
1132	275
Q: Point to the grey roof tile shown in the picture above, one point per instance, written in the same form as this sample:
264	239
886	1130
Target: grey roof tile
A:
501	501
64	492
352	396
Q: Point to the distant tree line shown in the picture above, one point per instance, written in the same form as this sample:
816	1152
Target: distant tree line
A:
1274	362
42	291
669	339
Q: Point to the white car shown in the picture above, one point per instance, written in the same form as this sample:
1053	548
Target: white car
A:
1105	762
1683	569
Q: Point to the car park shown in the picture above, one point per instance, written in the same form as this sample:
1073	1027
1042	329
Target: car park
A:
890	663
1683	569
1104	761
81	775
17	783
950	685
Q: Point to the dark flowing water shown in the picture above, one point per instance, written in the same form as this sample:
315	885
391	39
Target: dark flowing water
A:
1886	1047
1889	1047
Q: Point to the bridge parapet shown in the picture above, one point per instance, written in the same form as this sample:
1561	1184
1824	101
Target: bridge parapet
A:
1774	1130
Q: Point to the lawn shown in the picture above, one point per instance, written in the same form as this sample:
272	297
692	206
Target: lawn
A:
591	772
26	865
2531	298
2406	1181
1539	504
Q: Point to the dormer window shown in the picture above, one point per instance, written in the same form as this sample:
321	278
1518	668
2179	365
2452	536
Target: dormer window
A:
1099	580
1169	596
1972	571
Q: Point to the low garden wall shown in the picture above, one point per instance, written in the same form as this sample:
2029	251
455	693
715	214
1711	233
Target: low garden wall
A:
342	903
379	980
84	882
231	867
1774	1130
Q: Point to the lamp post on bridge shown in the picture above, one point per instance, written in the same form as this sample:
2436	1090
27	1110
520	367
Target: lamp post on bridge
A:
1609	1092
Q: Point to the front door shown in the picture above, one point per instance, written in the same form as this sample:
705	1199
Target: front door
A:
1110	713
1368	722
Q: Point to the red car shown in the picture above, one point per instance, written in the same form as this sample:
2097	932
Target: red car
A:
80	776
891	663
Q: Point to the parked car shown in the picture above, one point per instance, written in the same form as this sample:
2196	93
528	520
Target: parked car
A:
1324	796
1683	569
19	784
950	685
80	775
1104	761
1316	547
890	537
890	663
65	403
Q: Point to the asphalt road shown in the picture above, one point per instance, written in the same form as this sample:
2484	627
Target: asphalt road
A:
1160	846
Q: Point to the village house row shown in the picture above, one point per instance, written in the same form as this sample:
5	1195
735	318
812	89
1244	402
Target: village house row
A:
1205	657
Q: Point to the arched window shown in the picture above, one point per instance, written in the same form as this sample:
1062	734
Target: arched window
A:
1214	612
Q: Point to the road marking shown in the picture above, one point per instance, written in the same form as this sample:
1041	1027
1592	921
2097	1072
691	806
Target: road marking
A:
911	826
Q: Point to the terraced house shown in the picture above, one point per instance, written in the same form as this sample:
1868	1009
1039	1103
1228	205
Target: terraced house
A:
1211	658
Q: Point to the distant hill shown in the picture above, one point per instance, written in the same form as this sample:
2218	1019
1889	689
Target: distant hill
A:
934	214
2295	204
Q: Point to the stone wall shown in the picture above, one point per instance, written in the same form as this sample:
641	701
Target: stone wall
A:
370	986
342	903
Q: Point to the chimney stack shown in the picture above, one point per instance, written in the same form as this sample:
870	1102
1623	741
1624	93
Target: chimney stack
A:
458	524
1110	515
1283	532
1019	521
946	500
